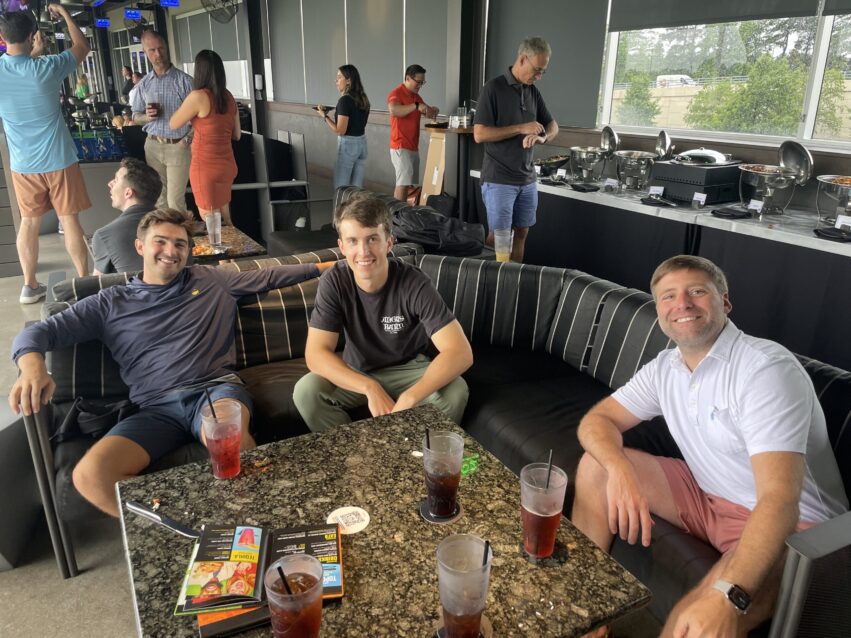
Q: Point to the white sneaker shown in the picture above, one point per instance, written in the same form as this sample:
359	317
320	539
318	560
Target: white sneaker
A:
33	295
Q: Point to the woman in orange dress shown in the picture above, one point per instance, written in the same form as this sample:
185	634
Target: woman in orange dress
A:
211	110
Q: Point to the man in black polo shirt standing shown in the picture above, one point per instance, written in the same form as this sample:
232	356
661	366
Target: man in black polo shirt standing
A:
511	118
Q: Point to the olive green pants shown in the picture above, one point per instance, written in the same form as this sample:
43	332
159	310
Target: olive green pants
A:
323	405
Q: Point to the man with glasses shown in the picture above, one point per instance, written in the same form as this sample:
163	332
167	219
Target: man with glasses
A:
511	118
406	106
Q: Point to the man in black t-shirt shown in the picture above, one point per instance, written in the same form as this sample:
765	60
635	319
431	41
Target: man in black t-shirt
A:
510	119
391	317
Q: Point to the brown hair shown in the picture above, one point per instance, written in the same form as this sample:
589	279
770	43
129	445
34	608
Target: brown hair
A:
367	210
144	180
165	216
690	262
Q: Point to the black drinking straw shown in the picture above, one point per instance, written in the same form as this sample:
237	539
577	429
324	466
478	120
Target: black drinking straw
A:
210	402
284	578
428	441
549	469
485	557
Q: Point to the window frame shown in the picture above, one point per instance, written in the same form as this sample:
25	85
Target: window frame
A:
806	126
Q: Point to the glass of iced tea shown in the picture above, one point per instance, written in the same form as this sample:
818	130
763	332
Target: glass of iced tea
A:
463	574
223	434
443	452
541	503
297	614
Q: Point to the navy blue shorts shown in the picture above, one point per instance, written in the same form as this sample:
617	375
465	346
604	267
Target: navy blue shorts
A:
174	419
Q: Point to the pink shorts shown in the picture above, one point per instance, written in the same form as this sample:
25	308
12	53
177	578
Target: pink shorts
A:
710	518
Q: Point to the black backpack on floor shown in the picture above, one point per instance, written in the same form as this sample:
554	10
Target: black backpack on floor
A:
438	234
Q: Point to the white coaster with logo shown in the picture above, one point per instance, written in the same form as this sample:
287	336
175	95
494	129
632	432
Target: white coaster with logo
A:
350	519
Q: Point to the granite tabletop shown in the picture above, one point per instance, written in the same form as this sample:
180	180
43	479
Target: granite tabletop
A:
390	567
236	243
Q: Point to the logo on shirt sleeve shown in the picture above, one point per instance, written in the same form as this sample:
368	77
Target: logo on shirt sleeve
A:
393	324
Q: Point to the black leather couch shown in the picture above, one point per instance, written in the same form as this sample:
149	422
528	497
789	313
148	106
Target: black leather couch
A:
548	344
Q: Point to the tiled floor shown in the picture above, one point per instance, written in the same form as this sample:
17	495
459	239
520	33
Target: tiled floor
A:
34	600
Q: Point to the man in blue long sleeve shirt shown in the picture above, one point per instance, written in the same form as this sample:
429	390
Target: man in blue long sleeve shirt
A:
171	333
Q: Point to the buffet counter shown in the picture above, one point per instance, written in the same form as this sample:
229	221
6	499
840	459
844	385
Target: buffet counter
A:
786	283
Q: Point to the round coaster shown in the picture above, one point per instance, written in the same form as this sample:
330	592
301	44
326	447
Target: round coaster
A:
423	510
559	556
485	628
351	519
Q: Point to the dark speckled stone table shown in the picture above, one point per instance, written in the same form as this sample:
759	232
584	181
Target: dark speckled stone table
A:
390	567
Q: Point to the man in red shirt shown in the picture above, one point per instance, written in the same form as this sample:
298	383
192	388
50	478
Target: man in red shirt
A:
406	106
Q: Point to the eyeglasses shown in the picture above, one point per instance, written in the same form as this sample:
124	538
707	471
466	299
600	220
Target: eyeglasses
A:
537	69
419	82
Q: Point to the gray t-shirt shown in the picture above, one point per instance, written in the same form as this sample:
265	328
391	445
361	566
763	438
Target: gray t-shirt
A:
384	328
503	102
113	245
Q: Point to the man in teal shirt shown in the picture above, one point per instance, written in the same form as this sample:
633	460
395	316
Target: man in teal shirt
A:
45	172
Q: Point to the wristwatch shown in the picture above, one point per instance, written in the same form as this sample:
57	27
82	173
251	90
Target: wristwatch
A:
738	597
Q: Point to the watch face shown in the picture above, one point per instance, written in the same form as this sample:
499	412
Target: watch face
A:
739	597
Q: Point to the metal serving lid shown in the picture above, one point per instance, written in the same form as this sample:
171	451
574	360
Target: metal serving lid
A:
795	156
664	147
609	140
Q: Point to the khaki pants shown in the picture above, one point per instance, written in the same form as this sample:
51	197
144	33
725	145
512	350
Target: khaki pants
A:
171	161
323	405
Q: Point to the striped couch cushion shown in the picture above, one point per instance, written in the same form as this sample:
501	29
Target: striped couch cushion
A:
628	336
833	389
576	318
508	304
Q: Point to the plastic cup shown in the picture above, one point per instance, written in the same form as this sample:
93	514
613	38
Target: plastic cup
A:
223	435
502	239
442	457
152	101
296	615
213	220
541	507
462	579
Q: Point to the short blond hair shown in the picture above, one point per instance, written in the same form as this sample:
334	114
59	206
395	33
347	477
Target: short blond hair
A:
690	262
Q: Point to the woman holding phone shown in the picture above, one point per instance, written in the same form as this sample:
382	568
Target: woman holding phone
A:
349	125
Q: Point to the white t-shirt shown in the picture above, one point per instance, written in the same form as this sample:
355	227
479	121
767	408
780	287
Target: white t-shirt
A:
747	396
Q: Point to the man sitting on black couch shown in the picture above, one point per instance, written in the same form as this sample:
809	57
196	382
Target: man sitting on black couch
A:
134	191
171	331
758	463
391	316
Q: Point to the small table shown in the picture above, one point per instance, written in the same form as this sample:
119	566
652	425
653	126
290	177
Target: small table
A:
390	567
237	244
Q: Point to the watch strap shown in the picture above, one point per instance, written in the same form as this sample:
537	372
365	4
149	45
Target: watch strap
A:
738	597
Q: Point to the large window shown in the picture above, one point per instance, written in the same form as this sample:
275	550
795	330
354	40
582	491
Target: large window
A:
787	77
833	117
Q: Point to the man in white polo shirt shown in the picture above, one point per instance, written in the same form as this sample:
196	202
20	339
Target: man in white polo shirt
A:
758	462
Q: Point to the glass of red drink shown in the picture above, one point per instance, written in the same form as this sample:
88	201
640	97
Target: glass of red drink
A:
463	574
442	456
223	434
541	503
297	614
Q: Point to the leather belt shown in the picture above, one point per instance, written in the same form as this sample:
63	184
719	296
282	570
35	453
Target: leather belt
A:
166	140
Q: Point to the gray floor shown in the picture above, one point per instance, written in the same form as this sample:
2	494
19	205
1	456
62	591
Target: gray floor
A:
34	600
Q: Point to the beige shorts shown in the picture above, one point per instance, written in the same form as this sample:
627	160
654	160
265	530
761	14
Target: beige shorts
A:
63	191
